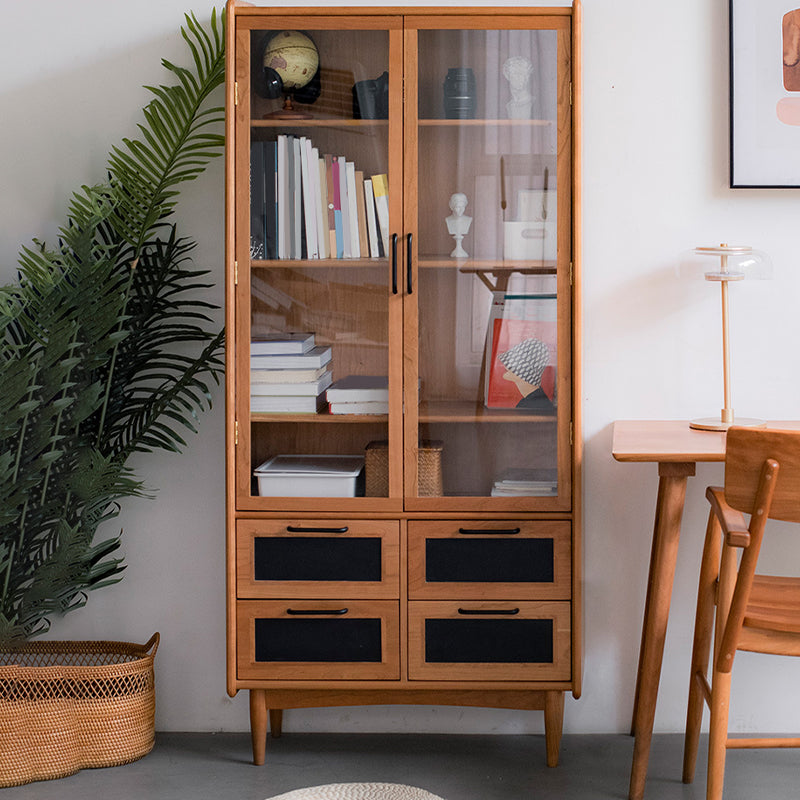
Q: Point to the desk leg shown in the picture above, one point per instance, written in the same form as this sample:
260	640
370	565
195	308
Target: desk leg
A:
664	555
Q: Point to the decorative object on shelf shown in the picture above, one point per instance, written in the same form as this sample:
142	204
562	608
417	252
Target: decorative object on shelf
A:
736	264
764	94
371	98
459	93
429	468
291	68
67	706
517	71
458	223
532	237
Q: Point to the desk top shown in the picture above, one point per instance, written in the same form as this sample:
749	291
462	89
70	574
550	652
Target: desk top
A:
672	441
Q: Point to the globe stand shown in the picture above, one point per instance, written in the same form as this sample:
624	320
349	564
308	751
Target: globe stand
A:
288	111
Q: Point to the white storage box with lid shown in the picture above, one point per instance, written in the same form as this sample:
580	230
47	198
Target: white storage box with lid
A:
311	476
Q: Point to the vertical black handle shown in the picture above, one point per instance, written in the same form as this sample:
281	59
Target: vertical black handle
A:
408	261
394	263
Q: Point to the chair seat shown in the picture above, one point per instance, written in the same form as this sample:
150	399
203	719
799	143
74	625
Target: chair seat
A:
774	604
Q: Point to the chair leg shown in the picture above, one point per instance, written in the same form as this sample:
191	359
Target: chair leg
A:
718	734
701	649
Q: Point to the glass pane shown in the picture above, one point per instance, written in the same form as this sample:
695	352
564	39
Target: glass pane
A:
490	358
319	275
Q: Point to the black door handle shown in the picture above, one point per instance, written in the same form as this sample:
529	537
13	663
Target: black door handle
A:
296	612
488	611
489	531
394	263
408	262
296	529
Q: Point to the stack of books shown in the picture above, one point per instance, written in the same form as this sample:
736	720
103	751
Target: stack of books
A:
288	373
304	204
359	394
526	483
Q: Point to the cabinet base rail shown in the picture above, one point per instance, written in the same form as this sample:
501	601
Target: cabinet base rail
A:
267	705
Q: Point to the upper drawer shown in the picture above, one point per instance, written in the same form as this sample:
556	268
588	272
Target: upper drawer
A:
485	559
317	558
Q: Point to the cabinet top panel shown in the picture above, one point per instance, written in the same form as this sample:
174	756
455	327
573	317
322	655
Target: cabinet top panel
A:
242	8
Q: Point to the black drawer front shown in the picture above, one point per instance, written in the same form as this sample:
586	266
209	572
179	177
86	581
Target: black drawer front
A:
314	558
313	640
489	560
489	641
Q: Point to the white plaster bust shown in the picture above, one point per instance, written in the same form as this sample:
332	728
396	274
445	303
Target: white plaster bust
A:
458	223
517	71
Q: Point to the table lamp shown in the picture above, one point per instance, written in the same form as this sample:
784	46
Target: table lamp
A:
736	263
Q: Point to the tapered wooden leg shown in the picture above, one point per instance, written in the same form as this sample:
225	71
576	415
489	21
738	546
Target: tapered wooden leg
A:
553	724
718	734
666	535
275	722
258	724
701	649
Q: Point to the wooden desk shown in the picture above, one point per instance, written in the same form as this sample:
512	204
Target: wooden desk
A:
676	448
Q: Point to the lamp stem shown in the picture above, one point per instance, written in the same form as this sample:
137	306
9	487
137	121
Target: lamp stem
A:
727	411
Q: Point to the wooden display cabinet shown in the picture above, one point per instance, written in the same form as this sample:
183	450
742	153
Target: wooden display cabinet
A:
471	595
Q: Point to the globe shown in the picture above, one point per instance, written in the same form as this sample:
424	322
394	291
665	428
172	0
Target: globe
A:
294	57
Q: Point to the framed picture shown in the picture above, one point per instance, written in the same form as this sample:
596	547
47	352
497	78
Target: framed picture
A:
765	93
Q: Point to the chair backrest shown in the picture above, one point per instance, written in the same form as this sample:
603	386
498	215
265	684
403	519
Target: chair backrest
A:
746	451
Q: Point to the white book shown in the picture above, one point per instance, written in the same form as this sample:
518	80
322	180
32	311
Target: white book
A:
297	197
352	208
324	238
365	407
380	188
281	343
313	359
314	388
357	388
289	404
283	196
309	205
372	223
313	170
348	248
285	375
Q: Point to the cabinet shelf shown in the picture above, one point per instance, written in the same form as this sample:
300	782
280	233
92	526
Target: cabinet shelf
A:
321	418
333	122
529	267
324	263
484	123
461	411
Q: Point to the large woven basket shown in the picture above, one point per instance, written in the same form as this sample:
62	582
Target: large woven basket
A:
429	469
65	706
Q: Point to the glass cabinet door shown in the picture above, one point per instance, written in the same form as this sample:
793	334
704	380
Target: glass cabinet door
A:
488	146
318	371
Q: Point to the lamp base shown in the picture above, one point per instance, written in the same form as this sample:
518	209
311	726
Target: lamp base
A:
715	424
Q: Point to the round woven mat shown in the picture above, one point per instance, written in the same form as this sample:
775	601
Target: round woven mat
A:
358	791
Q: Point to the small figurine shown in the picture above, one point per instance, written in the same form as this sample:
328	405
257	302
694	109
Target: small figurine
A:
517	71
457	223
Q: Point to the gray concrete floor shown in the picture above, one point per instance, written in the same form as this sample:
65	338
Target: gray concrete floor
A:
593	767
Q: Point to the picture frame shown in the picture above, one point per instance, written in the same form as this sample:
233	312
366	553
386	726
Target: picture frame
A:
764	94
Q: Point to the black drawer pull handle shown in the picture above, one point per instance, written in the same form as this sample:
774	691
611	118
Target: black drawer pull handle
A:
489	532
487	611
296	529
305	612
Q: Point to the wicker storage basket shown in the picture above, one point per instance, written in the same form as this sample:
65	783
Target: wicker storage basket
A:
69	705
429	470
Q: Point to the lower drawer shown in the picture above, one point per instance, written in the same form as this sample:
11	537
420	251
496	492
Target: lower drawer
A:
318	639
498	641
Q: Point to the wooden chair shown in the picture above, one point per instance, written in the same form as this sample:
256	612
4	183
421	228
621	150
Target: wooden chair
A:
754	612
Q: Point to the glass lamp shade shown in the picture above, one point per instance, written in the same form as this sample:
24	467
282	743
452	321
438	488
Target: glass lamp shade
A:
722	265
725	263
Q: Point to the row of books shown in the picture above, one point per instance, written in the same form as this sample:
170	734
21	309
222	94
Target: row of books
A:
526	483
290	373
304	204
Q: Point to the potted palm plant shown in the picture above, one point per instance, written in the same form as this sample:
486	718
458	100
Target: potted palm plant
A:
106	349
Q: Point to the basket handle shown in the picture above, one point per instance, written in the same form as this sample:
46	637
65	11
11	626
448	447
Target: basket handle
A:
153	642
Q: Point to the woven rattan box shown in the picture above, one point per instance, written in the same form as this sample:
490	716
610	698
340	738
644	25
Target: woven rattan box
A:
66	706
429	470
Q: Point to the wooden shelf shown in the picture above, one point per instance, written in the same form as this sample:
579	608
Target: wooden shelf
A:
483	123
314	263
333	122
323	418
528	267
463	411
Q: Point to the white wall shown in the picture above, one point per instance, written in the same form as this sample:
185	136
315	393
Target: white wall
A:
655	184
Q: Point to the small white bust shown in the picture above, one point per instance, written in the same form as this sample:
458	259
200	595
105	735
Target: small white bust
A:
517	71
458	223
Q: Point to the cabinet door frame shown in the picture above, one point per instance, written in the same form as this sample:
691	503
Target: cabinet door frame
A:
505	19
238	232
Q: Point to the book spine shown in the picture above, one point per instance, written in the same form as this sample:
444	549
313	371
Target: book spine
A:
337	209
372	224
297	211
361	212
352	210
257	202
380	189
344	205
309	205
271	199
331	205
283	196
322	211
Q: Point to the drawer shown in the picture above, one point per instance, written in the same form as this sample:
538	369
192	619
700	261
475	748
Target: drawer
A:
494	641
318	639
317	558
526	560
